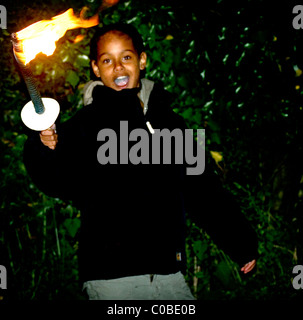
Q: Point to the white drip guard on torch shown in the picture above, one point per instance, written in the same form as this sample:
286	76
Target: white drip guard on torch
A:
43	121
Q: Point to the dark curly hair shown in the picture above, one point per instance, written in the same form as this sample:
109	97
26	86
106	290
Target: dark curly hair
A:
127	29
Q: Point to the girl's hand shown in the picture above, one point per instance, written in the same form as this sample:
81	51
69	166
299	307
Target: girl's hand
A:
248	266
49	137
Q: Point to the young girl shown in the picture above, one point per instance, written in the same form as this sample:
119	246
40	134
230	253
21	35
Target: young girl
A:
133	216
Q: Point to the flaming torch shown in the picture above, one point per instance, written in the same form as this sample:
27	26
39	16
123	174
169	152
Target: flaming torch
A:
40	113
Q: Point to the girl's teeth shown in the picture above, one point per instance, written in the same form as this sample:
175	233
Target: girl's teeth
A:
121	81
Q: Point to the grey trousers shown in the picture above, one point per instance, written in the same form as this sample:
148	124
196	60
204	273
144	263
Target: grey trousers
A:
144	287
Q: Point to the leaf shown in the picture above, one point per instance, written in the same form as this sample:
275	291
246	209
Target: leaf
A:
217	156
200	274
187	114
68	210
72	226
199	248
72	78
223	272
215	138
82	61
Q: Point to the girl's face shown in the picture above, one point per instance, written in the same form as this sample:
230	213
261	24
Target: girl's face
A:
118	64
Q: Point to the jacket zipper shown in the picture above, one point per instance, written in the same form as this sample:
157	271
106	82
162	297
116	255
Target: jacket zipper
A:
150	128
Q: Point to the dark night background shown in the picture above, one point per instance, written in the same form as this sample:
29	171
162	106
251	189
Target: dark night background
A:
235	69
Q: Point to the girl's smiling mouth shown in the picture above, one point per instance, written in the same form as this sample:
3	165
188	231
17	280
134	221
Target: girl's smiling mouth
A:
122	81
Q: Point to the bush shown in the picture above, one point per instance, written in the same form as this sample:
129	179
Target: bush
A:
235	70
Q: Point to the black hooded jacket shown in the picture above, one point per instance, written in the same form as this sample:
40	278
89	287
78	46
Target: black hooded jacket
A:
133	216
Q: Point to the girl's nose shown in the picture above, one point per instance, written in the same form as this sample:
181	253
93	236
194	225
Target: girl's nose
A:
118	66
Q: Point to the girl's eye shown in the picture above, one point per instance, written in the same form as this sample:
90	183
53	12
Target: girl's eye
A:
127	58
106	61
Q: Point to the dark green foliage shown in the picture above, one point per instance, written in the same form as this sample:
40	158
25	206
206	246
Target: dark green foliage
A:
235	70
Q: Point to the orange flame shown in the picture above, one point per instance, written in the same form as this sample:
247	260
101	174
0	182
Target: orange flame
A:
79	38
42	35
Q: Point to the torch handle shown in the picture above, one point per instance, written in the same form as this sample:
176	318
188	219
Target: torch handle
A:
32	88
27	75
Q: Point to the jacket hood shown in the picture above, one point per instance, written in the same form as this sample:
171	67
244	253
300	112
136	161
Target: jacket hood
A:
144	94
